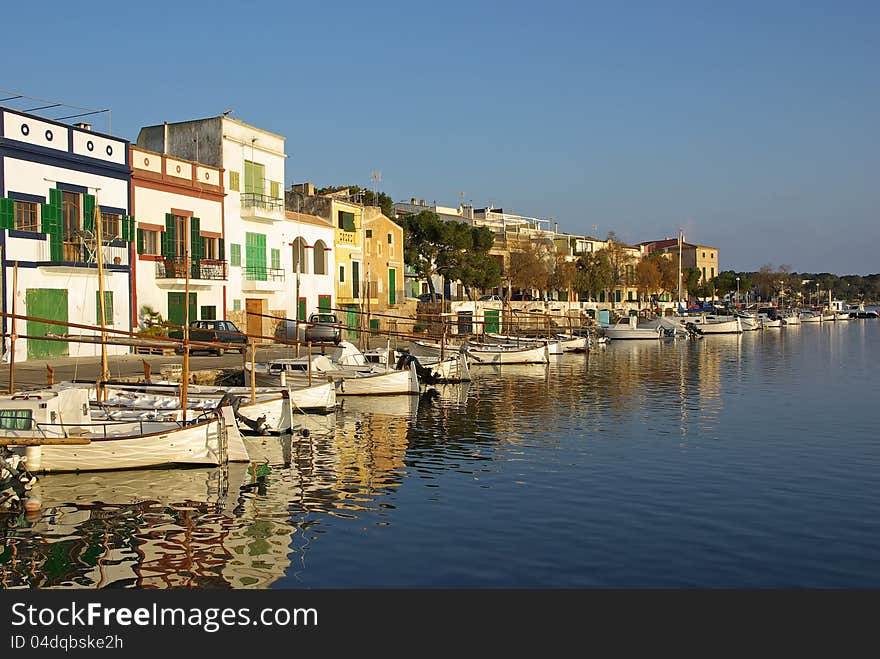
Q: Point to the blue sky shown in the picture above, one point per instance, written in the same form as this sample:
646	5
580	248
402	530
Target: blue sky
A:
752	125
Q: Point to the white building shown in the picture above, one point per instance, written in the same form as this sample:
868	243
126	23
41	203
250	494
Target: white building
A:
254	220
178	206
313	263
53	176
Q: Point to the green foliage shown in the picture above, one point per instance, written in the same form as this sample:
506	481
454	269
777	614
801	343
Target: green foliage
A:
151	321
594	273
365	196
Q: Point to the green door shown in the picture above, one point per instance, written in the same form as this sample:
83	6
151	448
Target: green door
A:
176	312
301	309
491	320
392	286
324	303
352	321
49	303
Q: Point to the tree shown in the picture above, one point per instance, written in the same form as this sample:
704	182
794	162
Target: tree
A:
564	275
649	278
691	278
618	261
593	273
669	277
529	267
424	236
724	283
464	256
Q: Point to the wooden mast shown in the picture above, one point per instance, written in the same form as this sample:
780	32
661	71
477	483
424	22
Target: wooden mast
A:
105	371
12	337
184	380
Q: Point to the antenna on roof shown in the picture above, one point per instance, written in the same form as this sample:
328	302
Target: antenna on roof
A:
226	113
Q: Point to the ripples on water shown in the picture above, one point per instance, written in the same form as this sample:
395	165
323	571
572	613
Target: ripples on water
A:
735	461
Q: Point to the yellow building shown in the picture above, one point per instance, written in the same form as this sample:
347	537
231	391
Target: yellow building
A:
383	260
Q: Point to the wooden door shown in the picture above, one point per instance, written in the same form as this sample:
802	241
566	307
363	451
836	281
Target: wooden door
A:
254	307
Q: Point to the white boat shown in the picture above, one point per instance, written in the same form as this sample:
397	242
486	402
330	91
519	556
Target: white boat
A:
750	322
628	329
453	368
554	345
382	383
791	318
810	317
572	343
499	355
711	323
55	431
432	349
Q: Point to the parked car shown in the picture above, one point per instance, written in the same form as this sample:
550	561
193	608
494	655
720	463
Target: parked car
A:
213	331
491	298
323	328
521	297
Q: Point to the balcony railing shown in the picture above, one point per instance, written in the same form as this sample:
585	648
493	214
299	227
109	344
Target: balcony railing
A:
262	273
262	201
175	268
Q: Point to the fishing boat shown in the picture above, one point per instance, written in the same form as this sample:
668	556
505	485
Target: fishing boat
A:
627	329
56	431
499	354
554	345
809	316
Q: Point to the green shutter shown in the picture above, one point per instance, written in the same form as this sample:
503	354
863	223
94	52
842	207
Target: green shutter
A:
140	241
392	285
234	254
7	213
51	224
274	189
196	247
276	259
88	204
254	173
301	309
221	250
234	181
168	236
346	221
389	238
108	307
255	255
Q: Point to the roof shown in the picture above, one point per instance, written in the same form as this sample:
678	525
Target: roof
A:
295	216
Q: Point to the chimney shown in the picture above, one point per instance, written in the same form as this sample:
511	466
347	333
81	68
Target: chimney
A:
422	202
83	125
556	227
412	201
165	140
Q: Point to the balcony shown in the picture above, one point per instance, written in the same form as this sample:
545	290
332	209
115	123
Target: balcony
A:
171	272
77	254
261	278
261	207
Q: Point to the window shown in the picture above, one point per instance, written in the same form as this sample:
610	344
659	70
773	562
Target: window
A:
210	246
110	226
345	221
108	307
274	189
704	274
320	255
16	419
236	305
299	256
342	274
712	270
180	231
390	240
378	249
70	223
276	259
234	181
151	242
234	254
704	254
209	313
26	216
254	173
369	233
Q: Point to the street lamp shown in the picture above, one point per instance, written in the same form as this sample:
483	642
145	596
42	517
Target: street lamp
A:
737	291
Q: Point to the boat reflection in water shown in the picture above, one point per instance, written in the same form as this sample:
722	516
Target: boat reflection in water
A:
241	526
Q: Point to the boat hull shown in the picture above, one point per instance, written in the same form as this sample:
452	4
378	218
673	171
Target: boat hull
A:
499	356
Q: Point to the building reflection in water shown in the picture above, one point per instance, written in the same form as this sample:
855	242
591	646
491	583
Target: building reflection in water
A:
228	528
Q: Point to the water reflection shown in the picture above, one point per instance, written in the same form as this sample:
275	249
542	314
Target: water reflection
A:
383	482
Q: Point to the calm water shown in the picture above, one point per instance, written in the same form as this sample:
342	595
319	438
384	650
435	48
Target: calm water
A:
735	461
